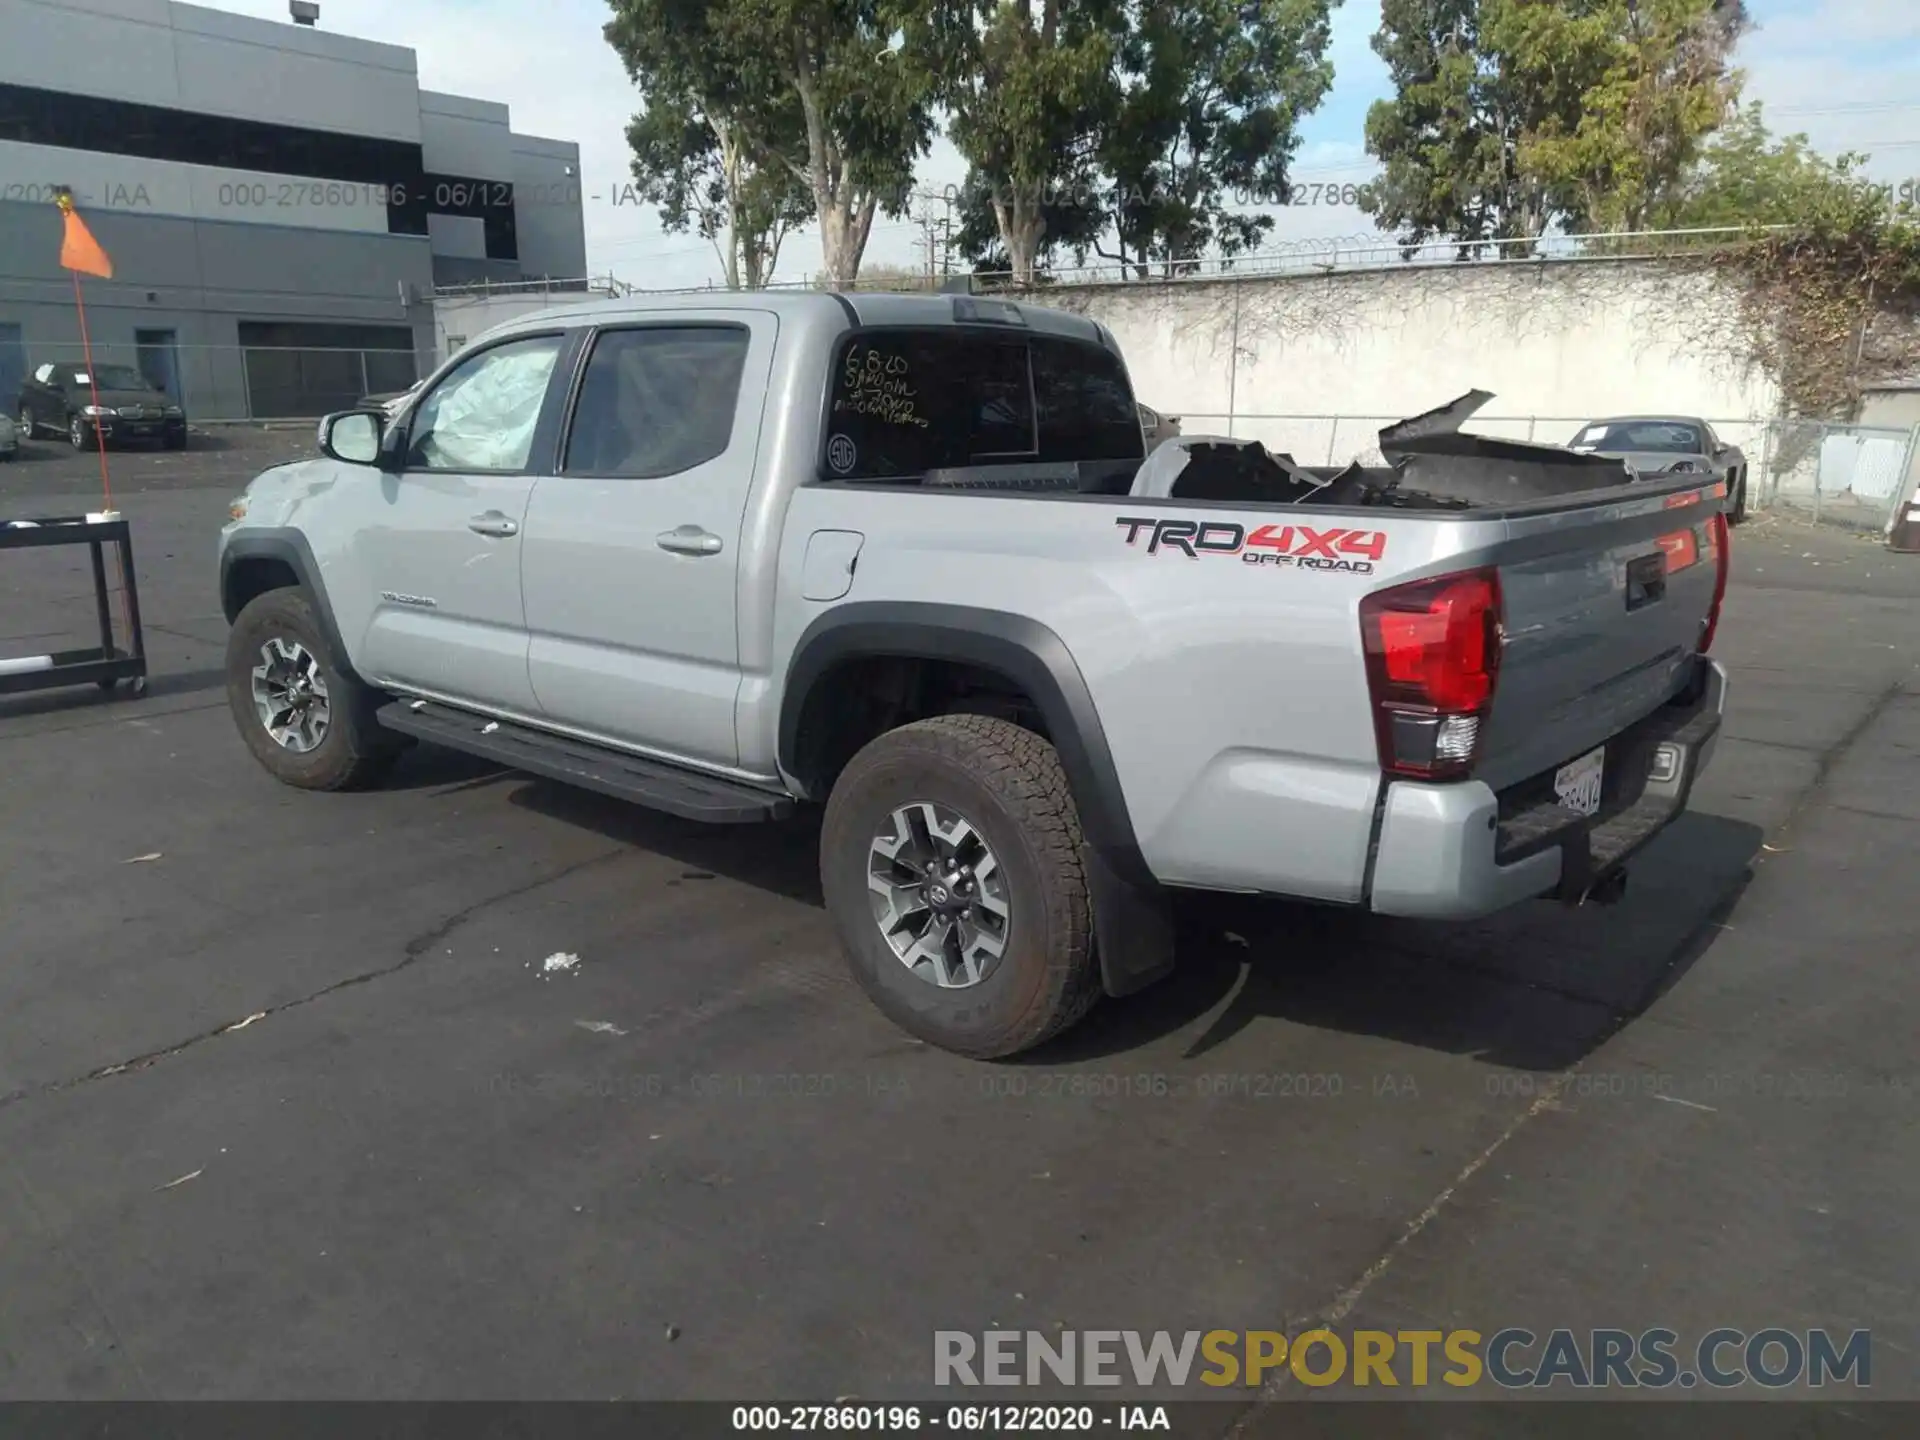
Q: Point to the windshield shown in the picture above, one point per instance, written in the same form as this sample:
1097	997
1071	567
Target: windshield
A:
112	377
1667	437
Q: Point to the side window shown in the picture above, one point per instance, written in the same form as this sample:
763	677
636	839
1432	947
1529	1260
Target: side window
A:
44	375
482	415
655	401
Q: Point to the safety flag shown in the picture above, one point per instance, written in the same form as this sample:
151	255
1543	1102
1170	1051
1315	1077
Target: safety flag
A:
79	251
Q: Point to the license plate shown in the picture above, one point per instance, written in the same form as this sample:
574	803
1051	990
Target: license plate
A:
1577	783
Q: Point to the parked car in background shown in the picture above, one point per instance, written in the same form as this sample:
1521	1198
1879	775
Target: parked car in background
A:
1155	427
9	438
114	403
1667	445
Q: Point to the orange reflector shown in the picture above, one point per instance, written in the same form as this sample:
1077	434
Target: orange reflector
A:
1690	497
1681	548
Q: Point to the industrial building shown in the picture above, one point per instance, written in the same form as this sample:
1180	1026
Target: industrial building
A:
279	202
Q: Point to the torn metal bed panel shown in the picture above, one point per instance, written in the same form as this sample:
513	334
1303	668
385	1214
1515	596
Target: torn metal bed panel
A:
1431	464
1434	457
1444	420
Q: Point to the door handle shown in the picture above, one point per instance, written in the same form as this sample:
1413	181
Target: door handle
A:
689	540
495	524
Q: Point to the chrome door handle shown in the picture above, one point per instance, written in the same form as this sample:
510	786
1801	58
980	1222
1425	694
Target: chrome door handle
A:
689	540
495	524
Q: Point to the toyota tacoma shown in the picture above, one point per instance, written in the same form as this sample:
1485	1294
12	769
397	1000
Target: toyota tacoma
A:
904	558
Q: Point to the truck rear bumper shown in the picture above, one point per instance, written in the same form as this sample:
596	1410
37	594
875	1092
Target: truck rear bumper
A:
1461	851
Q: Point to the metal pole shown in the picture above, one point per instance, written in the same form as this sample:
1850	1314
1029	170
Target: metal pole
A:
1819	464
1233	364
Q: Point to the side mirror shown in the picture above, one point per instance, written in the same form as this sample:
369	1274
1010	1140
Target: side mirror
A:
352	436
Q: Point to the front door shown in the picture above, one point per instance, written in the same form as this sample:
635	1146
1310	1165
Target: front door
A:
441	548
632	548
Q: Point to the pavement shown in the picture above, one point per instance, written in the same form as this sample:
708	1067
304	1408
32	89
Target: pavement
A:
291	1105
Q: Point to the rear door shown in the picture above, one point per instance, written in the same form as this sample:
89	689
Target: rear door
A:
631	562
1603	611
440	544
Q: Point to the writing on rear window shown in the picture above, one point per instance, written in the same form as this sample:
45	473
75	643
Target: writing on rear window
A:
907	401
1335	549
878	384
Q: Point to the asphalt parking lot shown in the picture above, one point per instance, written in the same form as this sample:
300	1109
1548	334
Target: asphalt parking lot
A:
290	1106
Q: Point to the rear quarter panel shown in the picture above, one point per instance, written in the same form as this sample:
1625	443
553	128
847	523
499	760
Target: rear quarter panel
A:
1232	694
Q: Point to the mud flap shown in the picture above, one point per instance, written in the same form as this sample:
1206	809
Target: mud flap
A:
1132	928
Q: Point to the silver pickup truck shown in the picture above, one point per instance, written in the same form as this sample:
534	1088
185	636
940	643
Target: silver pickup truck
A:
903	557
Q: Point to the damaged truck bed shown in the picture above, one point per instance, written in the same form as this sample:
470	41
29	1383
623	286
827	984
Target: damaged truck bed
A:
1430	464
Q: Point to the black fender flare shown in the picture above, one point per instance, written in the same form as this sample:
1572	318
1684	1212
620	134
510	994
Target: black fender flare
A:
1132	921
290	548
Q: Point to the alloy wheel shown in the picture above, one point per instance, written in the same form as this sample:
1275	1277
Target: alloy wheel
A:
938	895
290	695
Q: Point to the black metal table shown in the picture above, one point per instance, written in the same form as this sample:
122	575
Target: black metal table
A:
107	665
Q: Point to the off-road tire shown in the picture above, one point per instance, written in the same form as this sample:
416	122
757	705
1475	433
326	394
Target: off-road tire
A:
1009	784
355	752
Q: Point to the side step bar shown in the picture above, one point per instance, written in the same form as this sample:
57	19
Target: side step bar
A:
592	767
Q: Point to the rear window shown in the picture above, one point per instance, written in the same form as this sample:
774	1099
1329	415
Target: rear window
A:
909	401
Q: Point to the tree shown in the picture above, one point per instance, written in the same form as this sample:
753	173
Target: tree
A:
1653	82
866	111
1022	82
1208	98
1071	220
1511	115
716	146
1747	177
1448	138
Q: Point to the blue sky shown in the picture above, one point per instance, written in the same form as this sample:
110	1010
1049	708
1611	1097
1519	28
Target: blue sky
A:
1847	72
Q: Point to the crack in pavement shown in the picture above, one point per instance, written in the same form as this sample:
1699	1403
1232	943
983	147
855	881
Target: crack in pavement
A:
418	946
1348	1299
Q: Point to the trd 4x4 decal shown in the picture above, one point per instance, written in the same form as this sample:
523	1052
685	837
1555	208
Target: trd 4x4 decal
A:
1300	546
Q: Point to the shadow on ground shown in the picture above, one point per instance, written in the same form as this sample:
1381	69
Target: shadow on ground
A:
1316	965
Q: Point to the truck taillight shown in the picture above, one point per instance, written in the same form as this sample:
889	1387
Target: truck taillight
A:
1718	547
1433	653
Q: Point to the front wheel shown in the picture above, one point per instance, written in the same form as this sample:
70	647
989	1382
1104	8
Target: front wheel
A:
950	860
310	725
77	433
25	422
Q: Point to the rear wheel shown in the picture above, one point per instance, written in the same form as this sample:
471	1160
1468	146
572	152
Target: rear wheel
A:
310	725
1737	505
950	859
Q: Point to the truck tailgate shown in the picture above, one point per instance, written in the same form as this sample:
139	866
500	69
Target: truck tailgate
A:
1604	607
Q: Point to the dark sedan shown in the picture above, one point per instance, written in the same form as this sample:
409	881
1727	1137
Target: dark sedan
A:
114	403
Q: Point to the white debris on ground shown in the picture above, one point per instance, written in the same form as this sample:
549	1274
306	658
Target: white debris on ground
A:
559	963
600	1027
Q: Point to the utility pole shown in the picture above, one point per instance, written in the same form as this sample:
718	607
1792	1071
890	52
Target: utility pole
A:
936	232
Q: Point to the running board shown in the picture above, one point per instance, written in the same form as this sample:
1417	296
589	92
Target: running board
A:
658	786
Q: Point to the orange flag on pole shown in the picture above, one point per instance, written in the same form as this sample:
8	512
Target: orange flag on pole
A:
79	251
